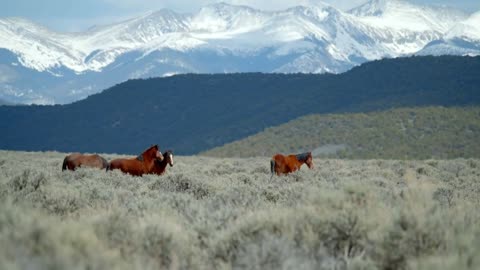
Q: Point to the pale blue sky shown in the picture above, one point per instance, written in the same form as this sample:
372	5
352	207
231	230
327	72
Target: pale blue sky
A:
78	15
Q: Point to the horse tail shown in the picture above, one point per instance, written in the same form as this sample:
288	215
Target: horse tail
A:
272	167
104	163
64	165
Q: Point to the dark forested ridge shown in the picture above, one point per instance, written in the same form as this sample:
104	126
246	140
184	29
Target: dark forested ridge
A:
192	113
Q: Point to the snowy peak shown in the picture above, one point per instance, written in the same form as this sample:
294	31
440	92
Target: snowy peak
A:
468	29
462	39
144	28
399	14
225	10
17	24
370	8
318	12
222	17
383	7
163	21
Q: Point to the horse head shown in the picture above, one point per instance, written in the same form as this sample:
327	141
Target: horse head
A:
167	159
153	153
168	155
309	160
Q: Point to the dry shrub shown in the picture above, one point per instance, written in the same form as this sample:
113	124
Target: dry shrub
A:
181	183
168	243
29	240
117	230
27	181
422	227
209	213
328	233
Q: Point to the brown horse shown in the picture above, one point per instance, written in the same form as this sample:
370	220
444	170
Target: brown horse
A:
281	164
75	160
160	166
143	164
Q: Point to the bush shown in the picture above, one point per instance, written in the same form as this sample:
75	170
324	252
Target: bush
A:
209	213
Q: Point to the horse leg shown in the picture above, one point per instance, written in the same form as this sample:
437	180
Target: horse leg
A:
272	167
64	165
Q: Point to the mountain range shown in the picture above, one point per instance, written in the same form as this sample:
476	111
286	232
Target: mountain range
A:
41	66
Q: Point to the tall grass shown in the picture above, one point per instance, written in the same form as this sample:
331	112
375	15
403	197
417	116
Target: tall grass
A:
210	213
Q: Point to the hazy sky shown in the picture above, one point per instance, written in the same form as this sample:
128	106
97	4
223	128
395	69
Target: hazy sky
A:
66	15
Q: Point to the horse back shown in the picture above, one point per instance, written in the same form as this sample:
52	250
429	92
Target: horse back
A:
277	164
70	161
278	158
281	164
95	161
129	166
115	164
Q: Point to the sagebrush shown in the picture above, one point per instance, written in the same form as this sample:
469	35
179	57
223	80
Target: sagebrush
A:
211	213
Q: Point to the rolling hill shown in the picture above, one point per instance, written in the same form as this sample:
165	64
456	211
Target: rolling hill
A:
193	113
416	133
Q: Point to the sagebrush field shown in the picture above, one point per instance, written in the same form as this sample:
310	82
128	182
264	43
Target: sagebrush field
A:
212	213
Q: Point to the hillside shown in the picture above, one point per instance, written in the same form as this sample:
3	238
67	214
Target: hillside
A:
192	113
418	133
211	213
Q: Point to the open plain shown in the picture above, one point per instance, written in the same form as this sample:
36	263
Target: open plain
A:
227	213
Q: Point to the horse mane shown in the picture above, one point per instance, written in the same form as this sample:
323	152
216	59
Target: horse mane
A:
140	157
151	147
303	156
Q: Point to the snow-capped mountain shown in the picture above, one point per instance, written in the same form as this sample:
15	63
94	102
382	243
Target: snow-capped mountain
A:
462	39
38	65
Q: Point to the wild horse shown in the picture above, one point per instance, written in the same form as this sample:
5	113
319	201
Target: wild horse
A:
280	164
75	160
143	164
161	166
